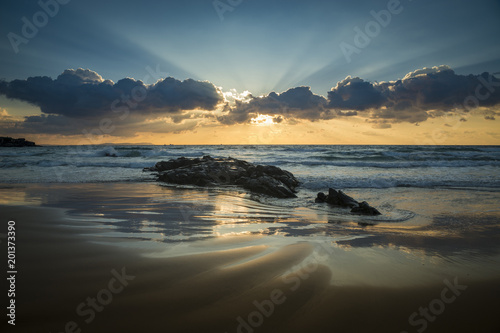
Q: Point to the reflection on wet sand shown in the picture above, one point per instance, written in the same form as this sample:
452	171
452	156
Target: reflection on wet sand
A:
209	261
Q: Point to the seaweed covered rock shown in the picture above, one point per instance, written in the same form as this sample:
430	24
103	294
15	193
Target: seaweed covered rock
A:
209	171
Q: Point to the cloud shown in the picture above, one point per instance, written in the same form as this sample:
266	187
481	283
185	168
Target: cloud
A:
381	125
83	93
422	94
419	95
7	121
370	133
81	101
92	130
355	94
424	71
295	103
80	76
233	95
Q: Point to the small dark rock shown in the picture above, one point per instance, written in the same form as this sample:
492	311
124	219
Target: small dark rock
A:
365	209
339	198
321	197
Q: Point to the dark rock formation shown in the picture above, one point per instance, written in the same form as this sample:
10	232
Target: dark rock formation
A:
11	142
365	209
208	171
339	198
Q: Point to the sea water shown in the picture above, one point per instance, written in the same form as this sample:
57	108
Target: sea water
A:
317	167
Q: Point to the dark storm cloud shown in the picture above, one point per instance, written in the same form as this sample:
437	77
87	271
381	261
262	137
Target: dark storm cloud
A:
424	93
355	94
92	128
421	91
440	89
83	93
295	103
82	102
81	99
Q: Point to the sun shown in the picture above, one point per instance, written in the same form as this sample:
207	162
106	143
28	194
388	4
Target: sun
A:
263	120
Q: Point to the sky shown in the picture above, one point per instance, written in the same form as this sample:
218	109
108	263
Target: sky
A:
250	71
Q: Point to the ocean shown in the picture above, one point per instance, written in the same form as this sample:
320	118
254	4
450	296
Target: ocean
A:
317	167
377	174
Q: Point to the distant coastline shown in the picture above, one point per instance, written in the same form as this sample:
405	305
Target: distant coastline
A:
6	141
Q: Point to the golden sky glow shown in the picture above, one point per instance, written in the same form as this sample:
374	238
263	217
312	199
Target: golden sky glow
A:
475	131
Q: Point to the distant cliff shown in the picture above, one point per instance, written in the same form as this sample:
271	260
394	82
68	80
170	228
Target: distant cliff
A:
11	142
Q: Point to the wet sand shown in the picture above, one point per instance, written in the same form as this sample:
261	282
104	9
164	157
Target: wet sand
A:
321	281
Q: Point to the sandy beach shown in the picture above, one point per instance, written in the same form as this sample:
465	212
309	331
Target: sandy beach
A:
134	257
